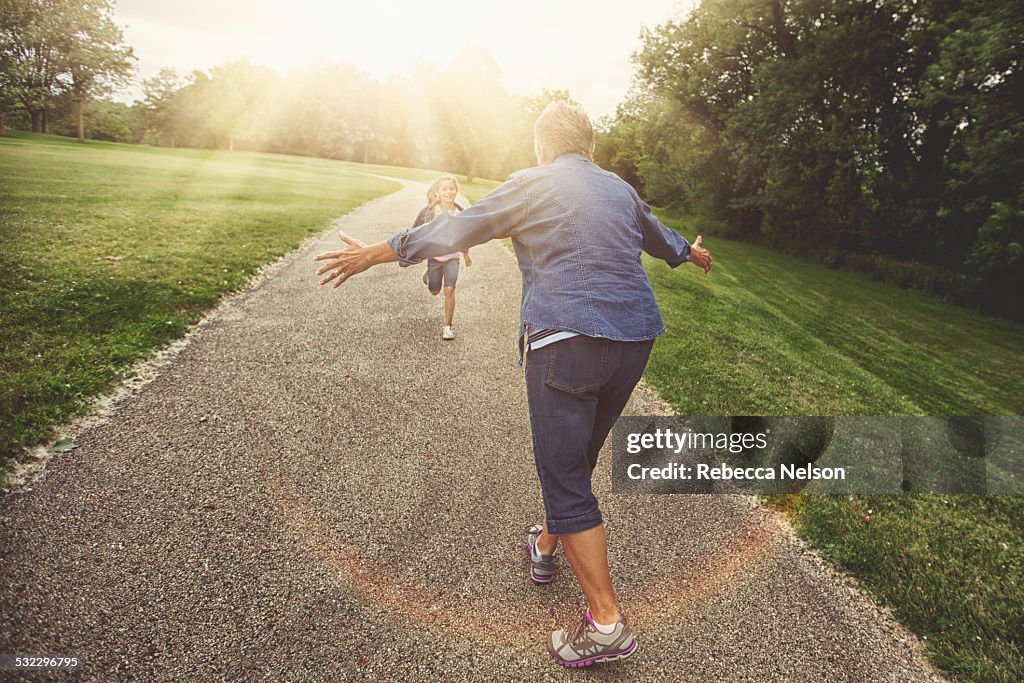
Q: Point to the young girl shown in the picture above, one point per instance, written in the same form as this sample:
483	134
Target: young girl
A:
443	271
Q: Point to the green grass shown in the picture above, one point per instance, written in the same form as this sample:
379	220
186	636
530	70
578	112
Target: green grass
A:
767	334
951	568
110	251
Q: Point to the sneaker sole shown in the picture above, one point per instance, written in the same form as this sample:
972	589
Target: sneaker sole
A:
597	659
535	577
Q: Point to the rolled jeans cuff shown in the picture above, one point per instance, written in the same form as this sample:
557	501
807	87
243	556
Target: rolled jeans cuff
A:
575	525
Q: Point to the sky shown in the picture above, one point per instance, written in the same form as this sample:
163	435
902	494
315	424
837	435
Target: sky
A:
583	46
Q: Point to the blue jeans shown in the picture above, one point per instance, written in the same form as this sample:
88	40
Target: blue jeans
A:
576	389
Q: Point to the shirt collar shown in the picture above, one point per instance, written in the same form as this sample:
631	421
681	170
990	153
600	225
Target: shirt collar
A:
570	157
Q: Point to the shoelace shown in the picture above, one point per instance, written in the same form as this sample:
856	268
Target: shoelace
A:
579	631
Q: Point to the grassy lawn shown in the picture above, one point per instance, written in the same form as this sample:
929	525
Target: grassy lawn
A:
768	334
110	251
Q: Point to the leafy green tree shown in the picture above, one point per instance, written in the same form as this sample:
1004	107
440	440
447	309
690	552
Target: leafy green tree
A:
160	107
8	98
235	98
48	47
330	110
888	127
96	60
30	55
105	119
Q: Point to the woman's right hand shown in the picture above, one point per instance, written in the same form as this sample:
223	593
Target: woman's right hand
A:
699	256
353	260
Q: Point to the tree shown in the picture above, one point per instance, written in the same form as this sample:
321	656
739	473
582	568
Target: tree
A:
331	110
30	43
52	46
161	97
96	61
8	96
235	98
468	122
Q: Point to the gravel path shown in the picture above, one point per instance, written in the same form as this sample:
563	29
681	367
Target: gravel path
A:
318	488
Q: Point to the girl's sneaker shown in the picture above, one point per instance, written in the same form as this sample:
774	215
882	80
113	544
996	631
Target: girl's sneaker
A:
542	567
447	333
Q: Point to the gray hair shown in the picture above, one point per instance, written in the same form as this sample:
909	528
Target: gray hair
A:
562	128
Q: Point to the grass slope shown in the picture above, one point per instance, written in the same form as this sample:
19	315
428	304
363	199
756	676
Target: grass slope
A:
773	335
768	334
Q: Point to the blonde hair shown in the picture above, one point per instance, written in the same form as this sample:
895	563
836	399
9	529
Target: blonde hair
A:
433	195
562	128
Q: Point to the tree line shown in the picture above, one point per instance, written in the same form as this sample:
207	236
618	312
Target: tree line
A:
883	135
457	117
59	55
61	59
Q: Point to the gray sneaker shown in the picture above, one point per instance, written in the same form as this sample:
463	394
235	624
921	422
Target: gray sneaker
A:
542	567
585	645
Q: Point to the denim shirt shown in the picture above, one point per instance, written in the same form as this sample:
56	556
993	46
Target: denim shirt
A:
578	232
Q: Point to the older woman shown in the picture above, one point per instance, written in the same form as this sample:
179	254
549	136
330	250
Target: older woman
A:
588	322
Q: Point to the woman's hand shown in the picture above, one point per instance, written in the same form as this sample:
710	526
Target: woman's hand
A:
354	259
699	256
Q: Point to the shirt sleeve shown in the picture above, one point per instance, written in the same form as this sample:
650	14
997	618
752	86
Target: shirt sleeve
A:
496	215
660	241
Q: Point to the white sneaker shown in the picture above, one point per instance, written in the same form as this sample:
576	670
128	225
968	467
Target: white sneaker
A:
447	333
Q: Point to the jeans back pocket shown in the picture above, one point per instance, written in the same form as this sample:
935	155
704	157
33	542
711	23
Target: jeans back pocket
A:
577	365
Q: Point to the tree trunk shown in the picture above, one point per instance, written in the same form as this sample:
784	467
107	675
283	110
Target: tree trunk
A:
46	119
783	38
34	114
3	129
231	143
79	111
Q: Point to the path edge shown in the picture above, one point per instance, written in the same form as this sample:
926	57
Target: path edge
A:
31	461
